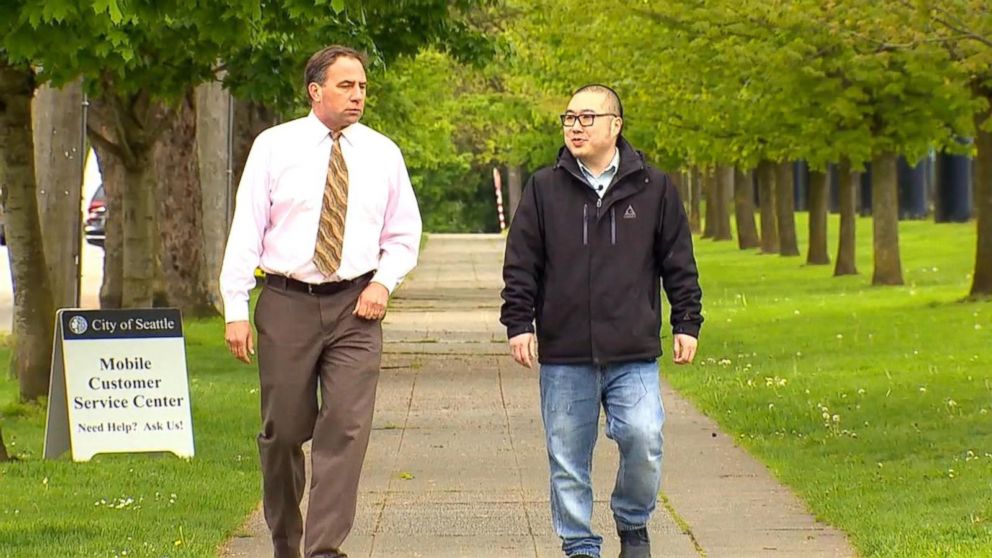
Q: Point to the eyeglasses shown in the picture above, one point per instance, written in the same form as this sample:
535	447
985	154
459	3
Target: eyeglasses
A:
585	119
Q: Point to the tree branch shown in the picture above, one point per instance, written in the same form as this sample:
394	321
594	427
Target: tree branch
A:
957	26
96	137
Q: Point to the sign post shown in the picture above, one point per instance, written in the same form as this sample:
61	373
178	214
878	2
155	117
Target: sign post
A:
118	384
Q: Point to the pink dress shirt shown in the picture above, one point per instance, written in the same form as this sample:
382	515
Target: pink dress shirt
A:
278	209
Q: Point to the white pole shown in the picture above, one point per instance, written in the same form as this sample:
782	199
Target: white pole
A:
498	185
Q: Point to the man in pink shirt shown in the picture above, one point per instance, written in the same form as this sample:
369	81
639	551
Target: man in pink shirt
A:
326	209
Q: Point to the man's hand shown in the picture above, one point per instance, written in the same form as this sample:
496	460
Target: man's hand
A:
684	348
523	348
372	302
239	340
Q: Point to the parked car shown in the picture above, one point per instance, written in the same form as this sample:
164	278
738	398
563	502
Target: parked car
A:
96	218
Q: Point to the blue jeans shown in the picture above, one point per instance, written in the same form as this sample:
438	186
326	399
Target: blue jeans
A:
570	400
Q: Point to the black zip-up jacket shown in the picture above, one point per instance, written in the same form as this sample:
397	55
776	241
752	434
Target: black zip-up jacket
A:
588	269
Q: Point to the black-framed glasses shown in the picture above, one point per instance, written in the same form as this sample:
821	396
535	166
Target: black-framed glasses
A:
585	119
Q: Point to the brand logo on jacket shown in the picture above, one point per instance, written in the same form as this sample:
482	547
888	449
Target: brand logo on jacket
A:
630	213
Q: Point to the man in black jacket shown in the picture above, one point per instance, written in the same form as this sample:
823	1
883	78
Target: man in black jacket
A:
588	244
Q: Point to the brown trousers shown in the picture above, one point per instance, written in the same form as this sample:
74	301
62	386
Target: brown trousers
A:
306	341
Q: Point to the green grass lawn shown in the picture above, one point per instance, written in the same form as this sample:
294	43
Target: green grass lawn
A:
137	505
873	403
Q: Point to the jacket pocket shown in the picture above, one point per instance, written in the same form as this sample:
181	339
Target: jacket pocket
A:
585	225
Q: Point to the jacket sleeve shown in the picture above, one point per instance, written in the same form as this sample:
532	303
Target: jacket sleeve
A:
523	265
679	275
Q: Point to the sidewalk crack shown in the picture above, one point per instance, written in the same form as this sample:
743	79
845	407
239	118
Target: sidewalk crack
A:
682	524
516	459
399	448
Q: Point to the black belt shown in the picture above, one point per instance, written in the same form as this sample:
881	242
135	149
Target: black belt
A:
290	284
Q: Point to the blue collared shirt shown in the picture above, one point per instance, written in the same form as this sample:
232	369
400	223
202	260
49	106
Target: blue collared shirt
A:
601	183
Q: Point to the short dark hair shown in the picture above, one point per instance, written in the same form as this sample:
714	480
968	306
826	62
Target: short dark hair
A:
612	99
316	71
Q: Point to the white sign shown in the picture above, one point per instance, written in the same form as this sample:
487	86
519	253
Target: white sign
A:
118	384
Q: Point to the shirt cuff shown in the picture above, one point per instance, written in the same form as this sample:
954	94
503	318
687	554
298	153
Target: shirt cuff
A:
237	312
388	282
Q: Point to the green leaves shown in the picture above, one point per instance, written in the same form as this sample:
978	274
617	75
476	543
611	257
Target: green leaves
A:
726	82
110	8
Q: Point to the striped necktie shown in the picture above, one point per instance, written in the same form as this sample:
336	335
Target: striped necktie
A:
330	232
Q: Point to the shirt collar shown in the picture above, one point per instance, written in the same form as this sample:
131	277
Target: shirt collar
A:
319	131
611	168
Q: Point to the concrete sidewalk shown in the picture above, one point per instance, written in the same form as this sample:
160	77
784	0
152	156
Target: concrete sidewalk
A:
457	466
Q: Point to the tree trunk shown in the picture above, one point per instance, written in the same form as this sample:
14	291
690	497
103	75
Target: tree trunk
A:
33	306
112	174
180	215
769	221
885	221
710	196
514	188
4	456
58	157
785	206
139	230
747	231
819	192
724	198
981	285
696	189
848	193
250	119
213	140
679	182
128	128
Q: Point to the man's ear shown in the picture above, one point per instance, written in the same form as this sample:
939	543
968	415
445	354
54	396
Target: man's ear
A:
314	90
617	125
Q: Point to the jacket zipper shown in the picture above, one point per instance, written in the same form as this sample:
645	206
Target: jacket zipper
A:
585	242
592	336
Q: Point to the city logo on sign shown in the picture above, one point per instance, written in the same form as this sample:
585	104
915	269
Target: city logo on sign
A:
78	325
